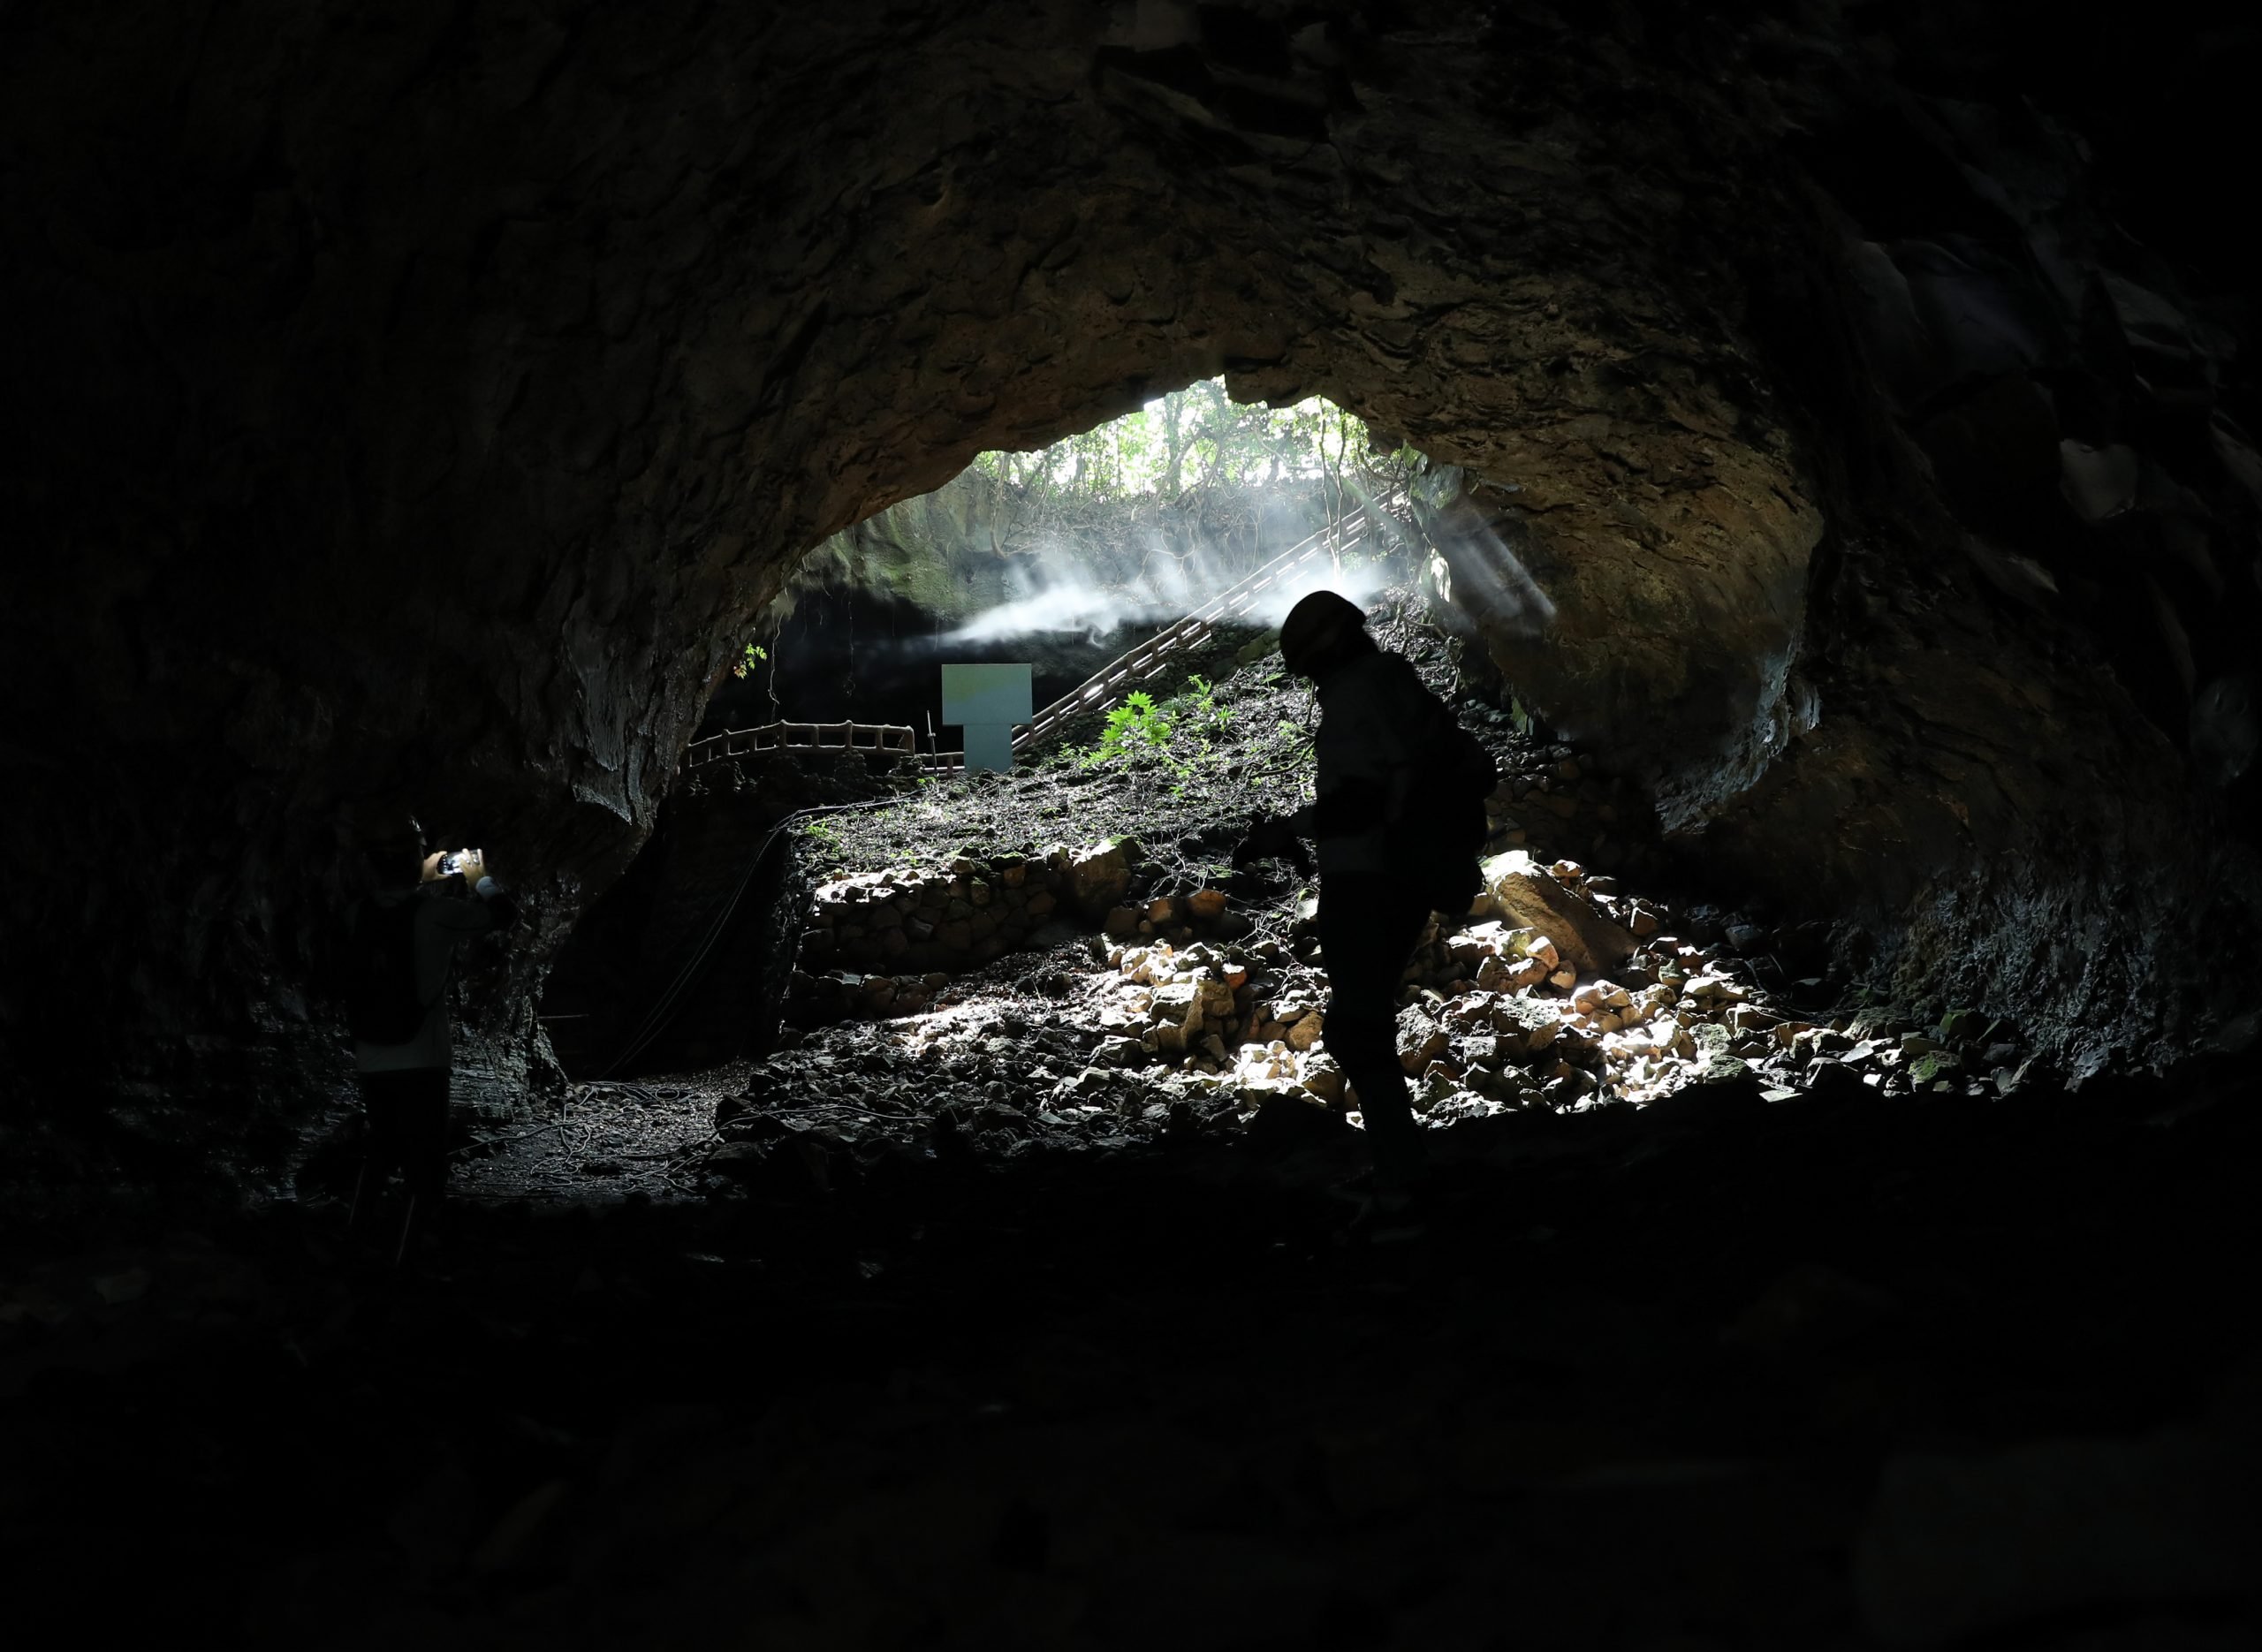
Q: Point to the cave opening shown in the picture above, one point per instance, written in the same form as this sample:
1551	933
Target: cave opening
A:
1840	1089
1082	559
1066	558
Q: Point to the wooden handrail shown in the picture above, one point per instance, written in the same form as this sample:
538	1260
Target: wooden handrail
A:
894	737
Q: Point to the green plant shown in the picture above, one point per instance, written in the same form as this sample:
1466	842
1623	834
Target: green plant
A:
822	831
1195	438
1201	707
1138	727
1297	741
753	656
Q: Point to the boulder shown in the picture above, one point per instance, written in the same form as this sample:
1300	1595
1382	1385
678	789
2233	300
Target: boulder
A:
1118	1052
1178	1003
1717	1092
1497	976
1524	1026
1520	891
1099	875
1420	1042
1321	1077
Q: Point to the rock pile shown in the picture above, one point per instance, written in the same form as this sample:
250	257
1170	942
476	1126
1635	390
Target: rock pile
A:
1243	1026
1555	991
1498	1014
923	926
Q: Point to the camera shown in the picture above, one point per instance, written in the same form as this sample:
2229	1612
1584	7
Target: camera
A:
451	862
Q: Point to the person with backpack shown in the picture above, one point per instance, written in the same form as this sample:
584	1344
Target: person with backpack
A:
1399	814
400	947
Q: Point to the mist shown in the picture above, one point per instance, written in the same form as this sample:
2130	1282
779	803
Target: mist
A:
1053	594
1476	571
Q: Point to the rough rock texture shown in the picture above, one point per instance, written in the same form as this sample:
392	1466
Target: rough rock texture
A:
410	409
1523	894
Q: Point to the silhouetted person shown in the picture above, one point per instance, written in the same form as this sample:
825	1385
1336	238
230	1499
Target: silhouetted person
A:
1400	819
400	949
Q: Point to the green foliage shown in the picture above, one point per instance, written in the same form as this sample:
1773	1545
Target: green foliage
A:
1300	739
1178	732
823	832
1195	438
1137	727
753	656
1202	706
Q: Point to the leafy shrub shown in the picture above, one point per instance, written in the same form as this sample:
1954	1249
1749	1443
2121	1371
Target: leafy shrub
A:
1178	732
1137	727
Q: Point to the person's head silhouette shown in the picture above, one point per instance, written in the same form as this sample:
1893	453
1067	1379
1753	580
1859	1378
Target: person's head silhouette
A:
1317	631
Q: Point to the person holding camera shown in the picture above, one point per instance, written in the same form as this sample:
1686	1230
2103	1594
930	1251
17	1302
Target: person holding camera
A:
401	942
1399	814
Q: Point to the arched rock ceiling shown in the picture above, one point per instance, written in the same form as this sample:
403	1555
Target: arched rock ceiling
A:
410	404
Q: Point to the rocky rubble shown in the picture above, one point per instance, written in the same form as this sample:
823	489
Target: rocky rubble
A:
976	909
1107	1044
1497	1015
1094	996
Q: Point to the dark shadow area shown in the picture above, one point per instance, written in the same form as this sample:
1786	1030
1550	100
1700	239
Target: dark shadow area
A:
842	654
683	963
997	1402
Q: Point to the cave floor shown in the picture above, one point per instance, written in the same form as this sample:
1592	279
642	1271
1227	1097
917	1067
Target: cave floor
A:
1836	1375
931	1332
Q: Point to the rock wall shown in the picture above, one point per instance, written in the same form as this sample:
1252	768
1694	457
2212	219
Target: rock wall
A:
411	408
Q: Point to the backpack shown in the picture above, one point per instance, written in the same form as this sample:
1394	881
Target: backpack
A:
381	1003
1438	836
